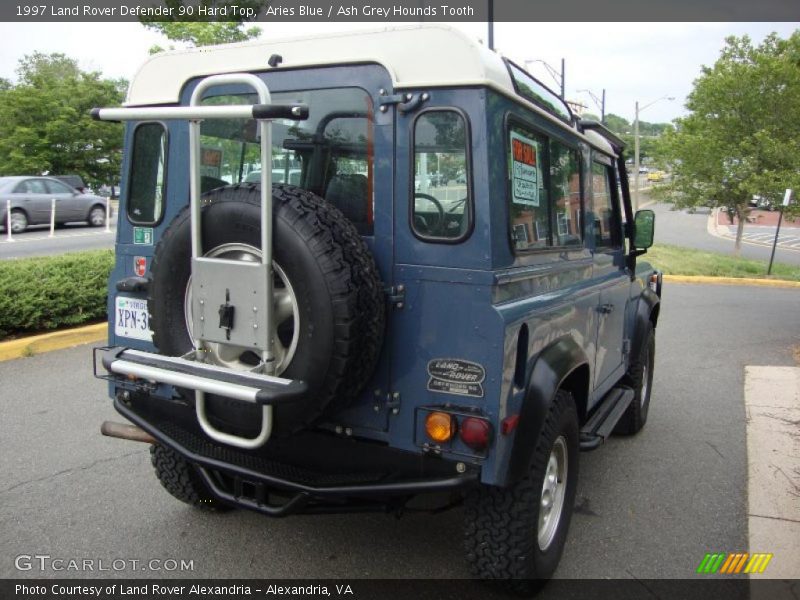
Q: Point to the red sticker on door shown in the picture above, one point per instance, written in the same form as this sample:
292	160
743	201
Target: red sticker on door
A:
139	265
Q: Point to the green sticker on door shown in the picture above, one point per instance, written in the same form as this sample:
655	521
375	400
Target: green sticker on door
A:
143	236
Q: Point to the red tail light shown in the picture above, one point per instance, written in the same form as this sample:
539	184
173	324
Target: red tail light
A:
475	433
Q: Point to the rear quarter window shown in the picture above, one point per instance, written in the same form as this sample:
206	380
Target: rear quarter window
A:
147	174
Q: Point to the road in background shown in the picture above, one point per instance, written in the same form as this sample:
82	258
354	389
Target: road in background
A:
36	241
682	228
648	506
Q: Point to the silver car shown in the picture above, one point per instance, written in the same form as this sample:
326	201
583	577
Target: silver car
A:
31	203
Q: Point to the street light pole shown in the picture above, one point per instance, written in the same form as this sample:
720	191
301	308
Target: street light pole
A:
636	159
491	24
601	104
559	78
636	148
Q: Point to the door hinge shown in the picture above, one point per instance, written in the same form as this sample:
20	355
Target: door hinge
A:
405	102
393	402
397	296
626	347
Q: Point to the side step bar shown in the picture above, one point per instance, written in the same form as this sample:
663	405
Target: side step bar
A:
605	418
180	372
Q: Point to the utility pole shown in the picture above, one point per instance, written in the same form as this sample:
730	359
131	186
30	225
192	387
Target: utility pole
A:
636	160
599	103
491	24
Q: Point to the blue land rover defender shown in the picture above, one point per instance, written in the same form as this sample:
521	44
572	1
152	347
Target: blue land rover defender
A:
356	270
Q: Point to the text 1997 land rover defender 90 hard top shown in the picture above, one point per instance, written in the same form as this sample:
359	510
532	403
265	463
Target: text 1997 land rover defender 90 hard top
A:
433	287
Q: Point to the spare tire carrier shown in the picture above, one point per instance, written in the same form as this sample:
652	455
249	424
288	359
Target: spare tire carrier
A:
223	292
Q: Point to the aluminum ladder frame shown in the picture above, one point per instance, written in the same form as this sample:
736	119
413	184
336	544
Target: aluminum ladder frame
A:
195	113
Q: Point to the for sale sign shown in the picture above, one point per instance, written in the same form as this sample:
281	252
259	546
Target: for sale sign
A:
524	170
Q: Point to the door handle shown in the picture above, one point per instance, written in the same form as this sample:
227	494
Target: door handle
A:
605	308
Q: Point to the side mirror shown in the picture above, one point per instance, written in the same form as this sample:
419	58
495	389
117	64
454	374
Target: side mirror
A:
643	229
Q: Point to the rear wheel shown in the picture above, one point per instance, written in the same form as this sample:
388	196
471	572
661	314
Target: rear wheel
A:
517	534
182	480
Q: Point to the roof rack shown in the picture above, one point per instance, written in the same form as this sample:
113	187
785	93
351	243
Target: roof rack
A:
591	125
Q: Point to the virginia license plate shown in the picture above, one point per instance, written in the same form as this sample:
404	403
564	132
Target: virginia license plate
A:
131	320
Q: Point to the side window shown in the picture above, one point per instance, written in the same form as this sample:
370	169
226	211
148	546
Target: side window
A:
530	217
602	217
147	174
22	188
565	181
34	186
56	187
441	208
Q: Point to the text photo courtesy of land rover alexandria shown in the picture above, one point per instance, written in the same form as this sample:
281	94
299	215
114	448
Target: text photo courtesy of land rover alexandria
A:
358	272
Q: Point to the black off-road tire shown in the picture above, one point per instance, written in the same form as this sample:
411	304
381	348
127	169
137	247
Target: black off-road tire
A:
501	524
335	280
182	481
637	376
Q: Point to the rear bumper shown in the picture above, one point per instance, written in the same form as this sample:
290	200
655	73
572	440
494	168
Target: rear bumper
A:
248	387
250	480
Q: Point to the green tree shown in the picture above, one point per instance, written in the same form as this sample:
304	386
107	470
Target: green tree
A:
222	26
617	124
45	125
195	33
742	136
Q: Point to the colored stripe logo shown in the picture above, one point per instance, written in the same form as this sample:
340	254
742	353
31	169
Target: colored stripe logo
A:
733	563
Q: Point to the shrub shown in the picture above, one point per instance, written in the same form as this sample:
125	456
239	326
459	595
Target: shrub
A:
53	291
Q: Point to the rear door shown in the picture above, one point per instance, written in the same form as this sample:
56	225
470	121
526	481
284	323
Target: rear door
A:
69	205
610	273
34	200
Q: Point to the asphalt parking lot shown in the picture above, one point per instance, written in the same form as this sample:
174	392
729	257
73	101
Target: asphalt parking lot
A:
648	506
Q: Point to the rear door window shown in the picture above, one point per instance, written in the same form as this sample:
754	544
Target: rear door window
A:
329	154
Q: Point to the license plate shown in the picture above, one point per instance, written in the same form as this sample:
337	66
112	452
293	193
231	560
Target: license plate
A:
131	320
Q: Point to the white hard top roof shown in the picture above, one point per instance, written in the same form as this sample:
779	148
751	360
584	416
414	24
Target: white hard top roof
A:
416	56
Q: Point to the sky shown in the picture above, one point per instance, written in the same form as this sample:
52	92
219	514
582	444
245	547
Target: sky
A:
644	62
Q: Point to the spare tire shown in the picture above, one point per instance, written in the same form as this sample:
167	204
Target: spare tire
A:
329	307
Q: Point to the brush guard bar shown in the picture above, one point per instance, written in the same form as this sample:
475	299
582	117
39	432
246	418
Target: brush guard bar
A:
240	279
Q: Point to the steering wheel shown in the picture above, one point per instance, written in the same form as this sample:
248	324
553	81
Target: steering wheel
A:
421	222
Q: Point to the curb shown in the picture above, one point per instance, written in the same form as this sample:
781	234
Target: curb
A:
68	338
58	340
773	283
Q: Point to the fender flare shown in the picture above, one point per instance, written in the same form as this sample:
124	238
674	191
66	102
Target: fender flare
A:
648	302
553	365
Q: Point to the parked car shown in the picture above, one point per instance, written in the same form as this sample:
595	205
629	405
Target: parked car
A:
31	201
366	342
74	181
765	202
656	176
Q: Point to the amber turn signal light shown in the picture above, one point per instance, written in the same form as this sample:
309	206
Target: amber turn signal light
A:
440	426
